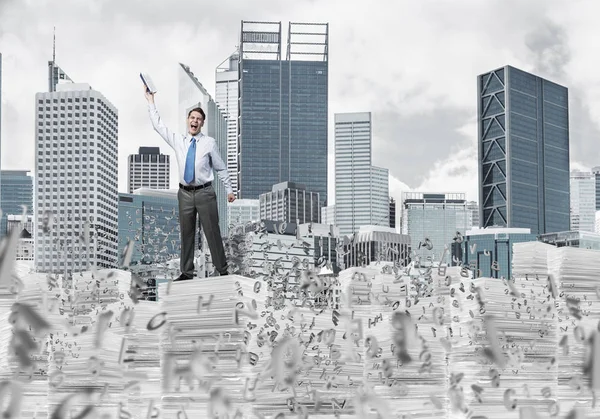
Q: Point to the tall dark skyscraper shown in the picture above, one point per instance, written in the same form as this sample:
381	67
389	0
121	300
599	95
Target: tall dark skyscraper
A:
392	212
596	172
523	138
283	105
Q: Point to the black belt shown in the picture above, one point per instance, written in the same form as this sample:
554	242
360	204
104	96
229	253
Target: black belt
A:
194	188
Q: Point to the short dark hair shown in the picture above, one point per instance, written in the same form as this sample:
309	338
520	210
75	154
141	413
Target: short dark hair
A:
199	110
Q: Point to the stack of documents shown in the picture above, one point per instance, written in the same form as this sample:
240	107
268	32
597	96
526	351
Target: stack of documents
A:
404	368
504	354
36	298
575	271
530	258
141	356
203	348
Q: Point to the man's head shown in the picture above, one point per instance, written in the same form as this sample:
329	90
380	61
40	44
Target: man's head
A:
195	120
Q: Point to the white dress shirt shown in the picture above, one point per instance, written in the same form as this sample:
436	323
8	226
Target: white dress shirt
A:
205	146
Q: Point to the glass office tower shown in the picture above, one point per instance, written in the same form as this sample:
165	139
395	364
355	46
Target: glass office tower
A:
433	216
149	218
489	252
523	137
283	108
596	172
16	188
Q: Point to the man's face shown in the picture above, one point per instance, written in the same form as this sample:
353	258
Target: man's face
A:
195	123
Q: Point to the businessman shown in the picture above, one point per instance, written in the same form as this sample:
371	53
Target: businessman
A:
197	156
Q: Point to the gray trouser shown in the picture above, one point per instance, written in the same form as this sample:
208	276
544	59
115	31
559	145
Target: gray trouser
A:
204	203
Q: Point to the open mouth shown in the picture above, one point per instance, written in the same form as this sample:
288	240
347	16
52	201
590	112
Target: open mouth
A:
194	126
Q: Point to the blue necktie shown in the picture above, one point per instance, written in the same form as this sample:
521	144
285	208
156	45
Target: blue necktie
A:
190	163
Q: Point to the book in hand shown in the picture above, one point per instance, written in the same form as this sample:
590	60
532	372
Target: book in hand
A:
148	83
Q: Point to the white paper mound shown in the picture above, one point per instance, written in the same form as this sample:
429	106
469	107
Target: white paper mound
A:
376	341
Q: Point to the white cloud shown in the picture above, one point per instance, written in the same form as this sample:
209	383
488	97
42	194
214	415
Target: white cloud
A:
457	174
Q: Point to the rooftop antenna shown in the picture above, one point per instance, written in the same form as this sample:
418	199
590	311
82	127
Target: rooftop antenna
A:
54	46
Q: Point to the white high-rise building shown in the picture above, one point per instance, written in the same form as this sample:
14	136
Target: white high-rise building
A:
192	94
328	215
583	201
242	211
226	96
76	179
361	190
380	198
148	169
290	202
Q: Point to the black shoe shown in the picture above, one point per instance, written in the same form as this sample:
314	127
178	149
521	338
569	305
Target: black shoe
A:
184	277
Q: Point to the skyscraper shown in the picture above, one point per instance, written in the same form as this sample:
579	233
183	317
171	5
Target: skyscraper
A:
148	169
226	96
242	211
76	179
290	202
380	196
377	243
149	219
596	172
191	94
361	190
523	136
392	212
583	201
16	190
328	215
435	217
283	107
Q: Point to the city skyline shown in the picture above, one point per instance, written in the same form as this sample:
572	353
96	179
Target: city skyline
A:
409	100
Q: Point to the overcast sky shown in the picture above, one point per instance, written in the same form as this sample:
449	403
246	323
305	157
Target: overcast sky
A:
413	64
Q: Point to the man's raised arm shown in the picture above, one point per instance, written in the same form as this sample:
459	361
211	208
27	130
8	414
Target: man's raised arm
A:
157	122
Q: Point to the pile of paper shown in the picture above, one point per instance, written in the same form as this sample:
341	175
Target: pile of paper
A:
530	258
575	271
504	352
404	368
203	350
35	299
141	357
8	363
86	294
86	363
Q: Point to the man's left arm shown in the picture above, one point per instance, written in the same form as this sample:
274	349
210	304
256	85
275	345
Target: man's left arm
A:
221	168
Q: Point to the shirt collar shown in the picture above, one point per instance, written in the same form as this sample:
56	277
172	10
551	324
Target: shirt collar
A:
197	137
